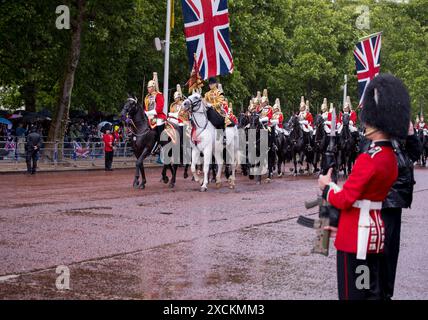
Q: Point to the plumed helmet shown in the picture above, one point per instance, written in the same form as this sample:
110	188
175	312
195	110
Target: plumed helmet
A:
348	103
307	105
386	106
265	96
178	94
257	99
155	82
220	88
302	106
324	106
277	105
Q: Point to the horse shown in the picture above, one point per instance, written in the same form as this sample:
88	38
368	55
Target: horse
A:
142	137
203	137
423	137
254	124
347	147
282	149
320	141
244	124
297	143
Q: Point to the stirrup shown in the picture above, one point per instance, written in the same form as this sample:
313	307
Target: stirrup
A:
156	149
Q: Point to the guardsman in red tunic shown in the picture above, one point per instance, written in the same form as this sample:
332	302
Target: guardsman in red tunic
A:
153	104
278	117
347	109
266	111
360	231
305	117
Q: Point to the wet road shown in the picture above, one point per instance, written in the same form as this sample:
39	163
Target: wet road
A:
158	243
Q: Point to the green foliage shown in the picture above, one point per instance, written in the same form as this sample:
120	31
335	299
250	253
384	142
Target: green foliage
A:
291	47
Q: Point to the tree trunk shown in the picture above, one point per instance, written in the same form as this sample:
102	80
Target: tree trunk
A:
61	114
28	92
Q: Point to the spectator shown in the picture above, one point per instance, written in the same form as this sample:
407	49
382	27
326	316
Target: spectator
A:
108	149
34	142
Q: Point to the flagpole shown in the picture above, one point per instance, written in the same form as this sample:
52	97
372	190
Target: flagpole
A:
370	35
166	65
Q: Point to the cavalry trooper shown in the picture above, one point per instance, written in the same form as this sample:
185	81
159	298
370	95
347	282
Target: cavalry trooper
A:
422	125
305	117
226	110
153	104
277	117
215	99
177	114
360	231
326	115
266	111
347	109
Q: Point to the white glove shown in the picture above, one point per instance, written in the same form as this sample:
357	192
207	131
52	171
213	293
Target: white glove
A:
304	122
274	121
151	113
264	119
173	114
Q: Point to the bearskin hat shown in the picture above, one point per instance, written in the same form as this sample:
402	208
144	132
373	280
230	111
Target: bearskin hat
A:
386	106
212	80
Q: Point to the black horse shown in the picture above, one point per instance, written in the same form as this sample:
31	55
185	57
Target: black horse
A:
283	145
423	137
297	142
142	137
243	124
347	147
254	124
320	141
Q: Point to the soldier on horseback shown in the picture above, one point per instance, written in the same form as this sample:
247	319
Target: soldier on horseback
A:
326	114
277	117
305	117
153	106
347	109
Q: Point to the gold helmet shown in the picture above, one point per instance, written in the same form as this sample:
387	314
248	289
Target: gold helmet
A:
277	106
257	99
265	98
154	83
220	88
178	94
302	104
324	106
347	104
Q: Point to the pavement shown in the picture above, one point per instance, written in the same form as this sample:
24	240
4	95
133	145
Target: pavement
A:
161	243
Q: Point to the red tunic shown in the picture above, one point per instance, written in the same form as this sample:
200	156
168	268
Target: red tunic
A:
108	142
371	179
309	118
280	118
352	117
159	106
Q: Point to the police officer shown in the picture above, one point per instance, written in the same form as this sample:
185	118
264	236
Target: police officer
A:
32	147
360	232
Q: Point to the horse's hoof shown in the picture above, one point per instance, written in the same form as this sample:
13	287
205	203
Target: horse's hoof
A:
171	185
268	180
136	184
165	179
251	177
186	175
295	175
212	180
218	185
142	186
280	175
301	171
232	186
291	169
203	189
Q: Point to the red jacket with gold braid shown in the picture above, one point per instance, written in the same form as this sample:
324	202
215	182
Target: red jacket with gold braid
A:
372	177
159	101
352	117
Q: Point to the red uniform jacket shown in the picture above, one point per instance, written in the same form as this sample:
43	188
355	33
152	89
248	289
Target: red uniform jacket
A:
108	142
309	118
280	118
159	106
372	177
353	117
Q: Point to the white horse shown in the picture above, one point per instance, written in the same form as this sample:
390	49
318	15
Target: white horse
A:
209	141
203	136
232	155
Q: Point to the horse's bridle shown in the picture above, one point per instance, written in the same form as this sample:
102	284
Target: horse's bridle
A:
129	120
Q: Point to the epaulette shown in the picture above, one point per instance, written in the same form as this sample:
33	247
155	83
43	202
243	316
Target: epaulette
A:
373	151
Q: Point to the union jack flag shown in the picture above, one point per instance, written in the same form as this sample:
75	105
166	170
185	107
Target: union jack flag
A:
367	61
206	26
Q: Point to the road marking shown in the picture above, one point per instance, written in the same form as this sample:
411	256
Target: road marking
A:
8	277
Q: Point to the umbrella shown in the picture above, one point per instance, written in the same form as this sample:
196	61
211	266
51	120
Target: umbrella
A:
5	121
103	126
